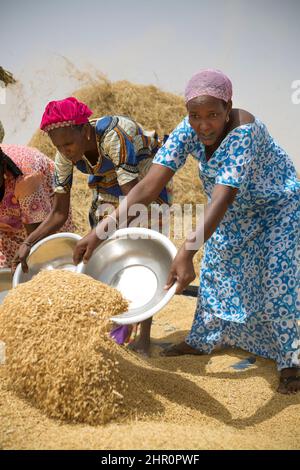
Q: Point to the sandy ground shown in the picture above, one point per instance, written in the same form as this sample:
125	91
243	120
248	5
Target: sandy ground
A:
192	403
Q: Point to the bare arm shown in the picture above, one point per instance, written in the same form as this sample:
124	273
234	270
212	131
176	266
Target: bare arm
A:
148	189
54	221
144	192
222	197
31	228
127	187
182	269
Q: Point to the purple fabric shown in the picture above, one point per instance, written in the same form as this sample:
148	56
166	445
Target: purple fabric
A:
209	82
120	333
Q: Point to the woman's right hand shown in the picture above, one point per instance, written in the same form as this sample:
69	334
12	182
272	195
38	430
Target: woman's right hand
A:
21	257
85	247
182	271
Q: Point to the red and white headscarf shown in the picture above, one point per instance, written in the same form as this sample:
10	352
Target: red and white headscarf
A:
63	113
209	82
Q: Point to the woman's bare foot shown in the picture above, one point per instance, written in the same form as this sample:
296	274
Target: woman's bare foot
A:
180	349
289	381
141	346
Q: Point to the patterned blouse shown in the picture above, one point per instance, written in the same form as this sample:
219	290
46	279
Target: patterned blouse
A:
126	152
27	199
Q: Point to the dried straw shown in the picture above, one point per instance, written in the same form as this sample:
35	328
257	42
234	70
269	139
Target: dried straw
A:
6	77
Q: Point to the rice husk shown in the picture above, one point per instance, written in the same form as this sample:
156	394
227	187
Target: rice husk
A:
58	351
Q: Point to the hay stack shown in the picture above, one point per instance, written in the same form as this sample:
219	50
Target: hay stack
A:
6	77
59	355
151	107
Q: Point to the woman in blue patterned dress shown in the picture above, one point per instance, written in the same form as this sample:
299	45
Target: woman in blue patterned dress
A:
248	294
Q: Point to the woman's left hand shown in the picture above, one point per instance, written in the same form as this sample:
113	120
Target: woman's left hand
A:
182	271
85	247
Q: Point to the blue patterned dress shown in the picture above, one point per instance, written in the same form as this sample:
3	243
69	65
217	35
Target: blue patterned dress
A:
249	282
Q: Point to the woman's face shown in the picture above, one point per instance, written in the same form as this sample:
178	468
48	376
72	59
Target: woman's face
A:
207	116
70	142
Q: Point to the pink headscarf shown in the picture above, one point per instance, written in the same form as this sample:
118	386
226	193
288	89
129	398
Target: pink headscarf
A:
209	82
67	112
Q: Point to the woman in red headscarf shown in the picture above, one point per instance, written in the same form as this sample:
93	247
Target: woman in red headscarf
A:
115	151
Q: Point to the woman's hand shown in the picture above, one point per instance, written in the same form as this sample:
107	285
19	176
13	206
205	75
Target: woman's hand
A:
182	270
85	247
21	257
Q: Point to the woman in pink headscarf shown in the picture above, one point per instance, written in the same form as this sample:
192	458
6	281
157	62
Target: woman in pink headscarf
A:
249	276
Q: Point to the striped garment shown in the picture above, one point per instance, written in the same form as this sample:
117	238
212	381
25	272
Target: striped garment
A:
126	152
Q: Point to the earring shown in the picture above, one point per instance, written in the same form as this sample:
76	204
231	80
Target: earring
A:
227	119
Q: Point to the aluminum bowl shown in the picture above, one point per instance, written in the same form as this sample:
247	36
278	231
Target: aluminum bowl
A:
5	283
53	252
136	261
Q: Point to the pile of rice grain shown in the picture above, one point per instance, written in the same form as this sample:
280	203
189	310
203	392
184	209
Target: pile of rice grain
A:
59	355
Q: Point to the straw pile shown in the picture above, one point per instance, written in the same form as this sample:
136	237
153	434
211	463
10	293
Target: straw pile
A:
58	351
6	77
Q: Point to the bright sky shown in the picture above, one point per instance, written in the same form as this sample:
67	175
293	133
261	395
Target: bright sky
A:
162	42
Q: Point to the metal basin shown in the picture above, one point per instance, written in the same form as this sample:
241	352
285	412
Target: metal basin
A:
53	252
136	261
5	283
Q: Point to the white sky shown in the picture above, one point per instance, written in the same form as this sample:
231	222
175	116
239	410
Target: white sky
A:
162	42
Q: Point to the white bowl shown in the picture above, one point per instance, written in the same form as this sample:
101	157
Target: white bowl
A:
136	261
53	252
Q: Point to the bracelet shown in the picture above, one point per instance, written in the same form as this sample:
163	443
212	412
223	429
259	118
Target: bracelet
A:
27	244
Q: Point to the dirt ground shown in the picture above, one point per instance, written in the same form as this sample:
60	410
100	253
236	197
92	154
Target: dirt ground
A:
190	402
